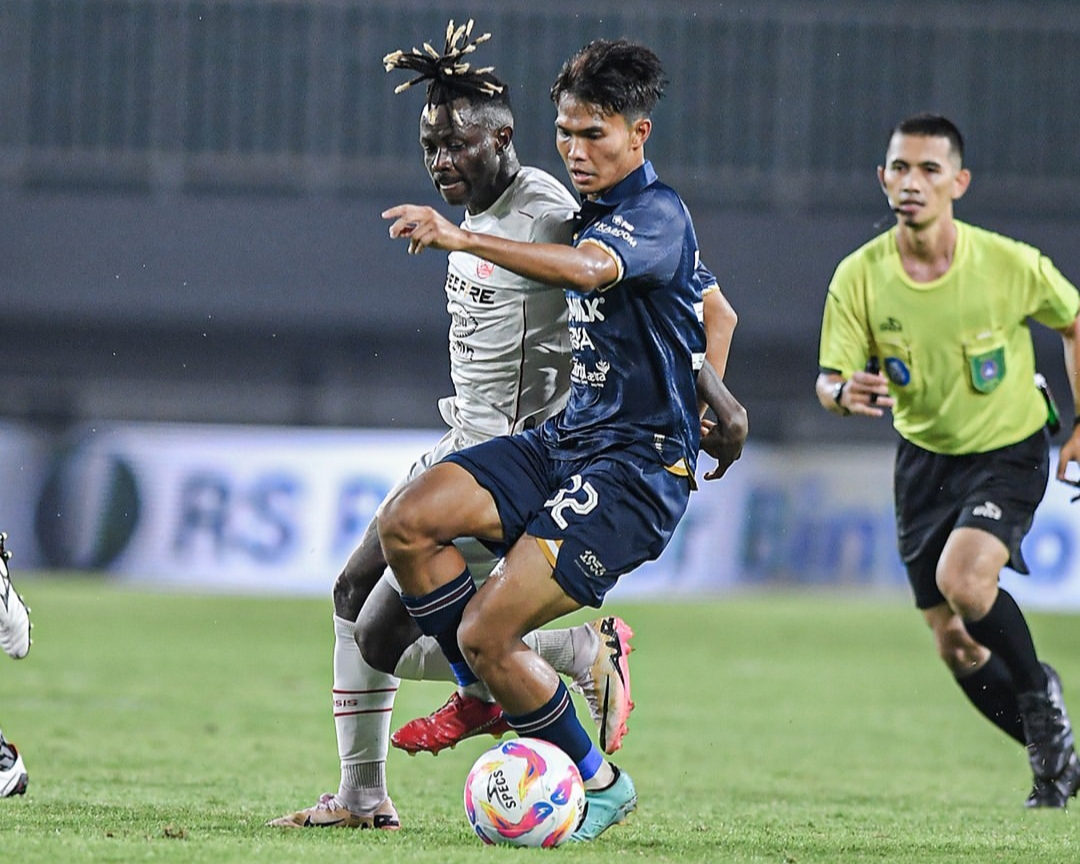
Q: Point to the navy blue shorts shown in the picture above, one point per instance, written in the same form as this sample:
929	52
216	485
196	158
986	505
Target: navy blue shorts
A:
595	518
996	492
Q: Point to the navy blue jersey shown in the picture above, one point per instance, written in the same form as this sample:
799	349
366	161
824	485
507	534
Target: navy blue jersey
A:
633	342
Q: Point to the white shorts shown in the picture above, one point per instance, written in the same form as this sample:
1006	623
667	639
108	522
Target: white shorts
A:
480	560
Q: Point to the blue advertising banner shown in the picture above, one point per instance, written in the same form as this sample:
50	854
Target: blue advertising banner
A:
253	509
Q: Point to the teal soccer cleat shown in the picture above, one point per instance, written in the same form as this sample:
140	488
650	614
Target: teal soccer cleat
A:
607	807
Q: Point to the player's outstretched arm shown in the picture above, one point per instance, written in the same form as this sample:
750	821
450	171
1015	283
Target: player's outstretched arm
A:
724	439
583	268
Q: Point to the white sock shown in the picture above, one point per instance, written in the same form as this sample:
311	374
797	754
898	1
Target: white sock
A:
425	661
604	777
478	690
569	651
363	699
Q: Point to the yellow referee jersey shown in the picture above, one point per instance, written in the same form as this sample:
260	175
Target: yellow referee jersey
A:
957	351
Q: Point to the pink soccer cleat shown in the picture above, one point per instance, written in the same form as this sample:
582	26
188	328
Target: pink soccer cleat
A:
606	684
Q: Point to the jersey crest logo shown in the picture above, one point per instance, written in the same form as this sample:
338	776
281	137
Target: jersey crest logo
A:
484	269
890	325
987	369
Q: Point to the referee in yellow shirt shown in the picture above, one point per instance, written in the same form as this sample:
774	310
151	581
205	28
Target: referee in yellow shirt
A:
931	320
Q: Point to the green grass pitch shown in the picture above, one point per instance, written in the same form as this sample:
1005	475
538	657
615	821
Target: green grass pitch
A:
787	729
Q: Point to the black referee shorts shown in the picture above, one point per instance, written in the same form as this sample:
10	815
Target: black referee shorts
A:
996	491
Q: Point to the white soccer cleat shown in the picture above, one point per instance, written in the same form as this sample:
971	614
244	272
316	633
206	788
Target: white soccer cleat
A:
331	812
606	683
14	613
13	776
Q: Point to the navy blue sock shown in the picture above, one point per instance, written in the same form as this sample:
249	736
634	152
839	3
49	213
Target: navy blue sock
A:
438	614
556	721
1005	632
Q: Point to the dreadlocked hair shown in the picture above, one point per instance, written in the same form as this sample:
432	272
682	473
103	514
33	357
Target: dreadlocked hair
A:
448	74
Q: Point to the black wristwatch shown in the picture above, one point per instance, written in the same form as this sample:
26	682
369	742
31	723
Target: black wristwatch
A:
837	393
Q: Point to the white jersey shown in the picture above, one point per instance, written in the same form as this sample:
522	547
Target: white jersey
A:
509	339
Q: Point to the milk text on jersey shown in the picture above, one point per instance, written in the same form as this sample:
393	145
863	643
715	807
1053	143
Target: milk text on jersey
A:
585	309
582	311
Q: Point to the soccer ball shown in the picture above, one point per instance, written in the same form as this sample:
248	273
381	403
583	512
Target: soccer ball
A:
524	792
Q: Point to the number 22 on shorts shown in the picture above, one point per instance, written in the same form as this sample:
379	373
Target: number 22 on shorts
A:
579	497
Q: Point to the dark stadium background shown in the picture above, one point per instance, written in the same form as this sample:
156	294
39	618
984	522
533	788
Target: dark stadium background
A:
190	189
189	231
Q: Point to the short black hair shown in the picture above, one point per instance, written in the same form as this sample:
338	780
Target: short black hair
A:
450	77
618	77
932	126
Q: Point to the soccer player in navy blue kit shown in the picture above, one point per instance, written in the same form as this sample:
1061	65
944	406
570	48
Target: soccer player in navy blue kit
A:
597	489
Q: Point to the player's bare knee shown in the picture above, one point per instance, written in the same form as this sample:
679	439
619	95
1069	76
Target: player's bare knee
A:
346	603
970	605
478	640
966	595
398	528
967	575
471	638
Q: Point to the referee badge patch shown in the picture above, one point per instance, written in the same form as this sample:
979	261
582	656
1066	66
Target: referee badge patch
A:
987	369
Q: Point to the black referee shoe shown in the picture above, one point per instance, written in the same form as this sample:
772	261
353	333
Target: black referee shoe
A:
1056	793
1047	728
